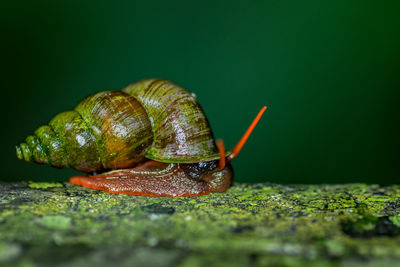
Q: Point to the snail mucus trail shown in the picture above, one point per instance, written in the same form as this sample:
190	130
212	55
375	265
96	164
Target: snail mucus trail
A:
153	136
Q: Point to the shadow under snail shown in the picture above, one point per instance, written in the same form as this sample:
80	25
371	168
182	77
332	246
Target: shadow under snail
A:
152	138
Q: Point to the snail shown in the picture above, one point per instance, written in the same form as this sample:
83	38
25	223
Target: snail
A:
152	138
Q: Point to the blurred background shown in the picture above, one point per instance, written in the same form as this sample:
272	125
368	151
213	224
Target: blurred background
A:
328	71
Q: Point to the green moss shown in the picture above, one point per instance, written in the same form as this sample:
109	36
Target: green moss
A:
43	185
395	220
9	252
55	222
248	225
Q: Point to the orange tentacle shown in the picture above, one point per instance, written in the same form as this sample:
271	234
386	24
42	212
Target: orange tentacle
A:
242	141
221	149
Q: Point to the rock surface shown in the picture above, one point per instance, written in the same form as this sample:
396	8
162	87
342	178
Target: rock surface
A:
59	224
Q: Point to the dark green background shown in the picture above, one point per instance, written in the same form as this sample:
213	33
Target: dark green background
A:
328	71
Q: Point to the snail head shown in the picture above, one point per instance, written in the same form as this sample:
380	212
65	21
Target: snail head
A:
219	173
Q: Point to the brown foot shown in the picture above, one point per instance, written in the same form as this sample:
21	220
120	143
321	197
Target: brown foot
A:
150	179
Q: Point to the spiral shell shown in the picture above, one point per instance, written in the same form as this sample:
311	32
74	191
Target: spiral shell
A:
152	119
180	128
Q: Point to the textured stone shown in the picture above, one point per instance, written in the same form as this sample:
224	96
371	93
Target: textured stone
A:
58	224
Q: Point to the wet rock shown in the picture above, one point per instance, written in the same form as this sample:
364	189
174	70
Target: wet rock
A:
59	224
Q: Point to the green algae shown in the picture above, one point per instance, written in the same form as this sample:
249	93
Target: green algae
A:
395	220
44	185
249	225
56	222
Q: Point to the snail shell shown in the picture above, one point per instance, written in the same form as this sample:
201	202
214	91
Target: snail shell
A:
151	119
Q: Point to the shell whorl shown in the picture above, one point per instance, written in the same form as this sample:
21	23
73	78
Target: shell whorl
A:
154	119
95	135
182	133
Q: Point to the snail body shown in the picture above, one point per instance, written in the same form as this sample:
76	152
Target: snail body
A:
153	136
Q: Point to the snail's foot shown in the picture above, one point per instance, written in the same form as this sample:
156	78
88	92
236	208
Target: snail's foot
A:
149	179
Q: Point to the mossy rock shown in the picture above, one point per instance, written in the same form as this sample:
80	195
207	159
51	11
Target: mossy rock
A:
59	224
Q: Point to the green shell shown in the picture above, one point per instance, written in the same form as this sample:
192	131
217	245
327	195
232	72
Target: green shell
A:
96	135
153	119
181	130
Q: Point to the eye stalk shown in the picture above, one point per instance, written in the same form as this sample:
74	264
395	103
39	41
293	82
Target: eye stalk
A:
239	145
